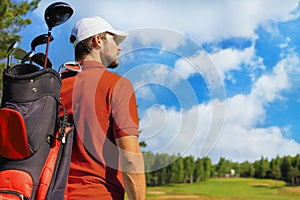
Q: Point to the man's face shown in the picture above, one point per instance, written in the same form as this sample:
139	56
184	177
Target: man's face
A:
110	51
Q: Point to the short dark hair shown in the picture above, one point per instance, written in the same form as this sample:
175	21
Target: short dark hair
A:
84	47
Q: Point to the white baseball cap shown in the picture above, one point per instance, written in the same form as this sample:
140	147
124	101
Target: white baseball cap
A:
87	27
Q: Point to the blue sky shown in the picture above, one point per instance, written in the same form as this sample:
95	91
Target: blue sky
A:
212	78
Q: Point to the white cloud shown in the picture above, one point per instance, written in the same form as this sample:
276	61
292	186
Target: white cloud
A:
246	113
202	21
231	59
243	136
145	93
167	130
214	67
200	64
240	144
155	37
268	87
205	20
153	74
170	131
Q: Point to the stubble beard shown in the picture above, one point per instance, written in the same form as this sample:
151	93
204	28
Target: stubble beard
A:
113	64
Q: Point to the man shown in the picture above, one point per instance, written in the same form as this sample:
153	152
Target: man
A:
106	156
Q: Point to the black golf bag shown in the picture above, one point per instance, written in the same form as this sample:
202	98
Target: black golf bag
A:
35	143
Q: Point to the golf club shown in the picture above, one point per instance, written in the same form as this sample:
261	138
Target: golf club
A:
39	59
9	51
39	40
19	53
56	14
27	57
72	66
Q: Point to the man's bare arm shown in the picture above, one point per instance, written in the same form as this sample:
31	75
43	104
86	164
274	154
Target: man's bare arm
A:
132	165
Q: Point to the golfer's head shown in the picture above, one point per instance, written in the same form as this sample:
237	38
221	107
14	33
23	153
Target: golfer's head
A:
86	29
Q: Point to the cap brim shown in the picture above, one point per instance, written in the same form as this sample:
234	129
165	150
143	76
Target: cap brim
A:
120	38
120	35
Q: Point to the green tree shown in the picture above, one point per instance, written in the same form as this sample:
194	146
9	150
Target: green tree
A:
143	144
262	167
149	159
247	169
296	164
171	173
189	165
12	20
275	168
176	170
207	166
286	167
292	174
160	168
180	169
295	171
199	170
223	167
203	169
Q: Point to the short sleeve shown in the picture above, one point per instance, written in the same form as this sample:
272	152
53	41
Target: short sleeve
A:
124	109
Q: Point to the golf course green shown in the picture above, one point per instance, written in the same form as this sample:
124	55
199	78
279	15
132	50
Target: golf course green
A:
227	189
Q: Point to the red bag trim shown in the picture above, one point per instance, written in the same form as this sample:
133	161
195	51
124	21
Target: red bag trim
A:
13	138
48	170
17	181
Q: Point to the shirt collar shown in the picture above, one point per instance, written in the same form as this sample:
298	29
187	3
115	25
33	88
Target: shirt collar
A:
91	64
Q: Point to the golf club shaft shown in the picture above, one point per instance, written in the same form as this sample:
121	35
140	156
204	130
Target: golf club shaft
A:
8	61
9	51
47	49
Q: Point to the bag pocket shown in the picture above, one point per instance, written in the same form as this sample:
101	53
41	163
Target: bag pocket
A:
15	184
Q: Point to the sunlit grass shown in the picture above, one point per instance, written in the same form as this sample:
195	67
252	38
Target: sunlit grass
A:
227	188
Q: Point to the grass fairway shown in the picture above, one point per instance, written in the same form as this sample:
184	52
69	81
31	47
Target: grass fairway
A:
227	189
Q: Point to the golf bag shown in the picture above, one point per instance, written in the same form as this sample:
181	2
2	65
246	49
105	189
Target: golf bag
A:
35	143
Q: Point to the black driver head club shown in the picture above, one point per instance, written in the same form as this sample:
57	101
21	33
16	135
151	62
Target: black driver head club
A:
39	59
56	14
40	40
9	51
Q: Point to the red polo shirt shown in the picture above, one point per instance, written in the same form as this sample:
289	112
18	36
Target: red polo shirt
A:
102	106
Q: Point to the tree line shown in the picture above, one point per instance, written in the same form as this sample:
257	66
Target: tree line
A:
163	169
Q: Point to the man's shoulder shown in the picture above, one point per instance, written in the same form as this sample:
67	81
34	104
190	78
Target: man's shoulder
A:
112	74
115	78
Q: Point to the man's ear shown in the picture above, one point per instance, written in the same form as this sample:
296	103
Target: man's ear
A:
97	40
